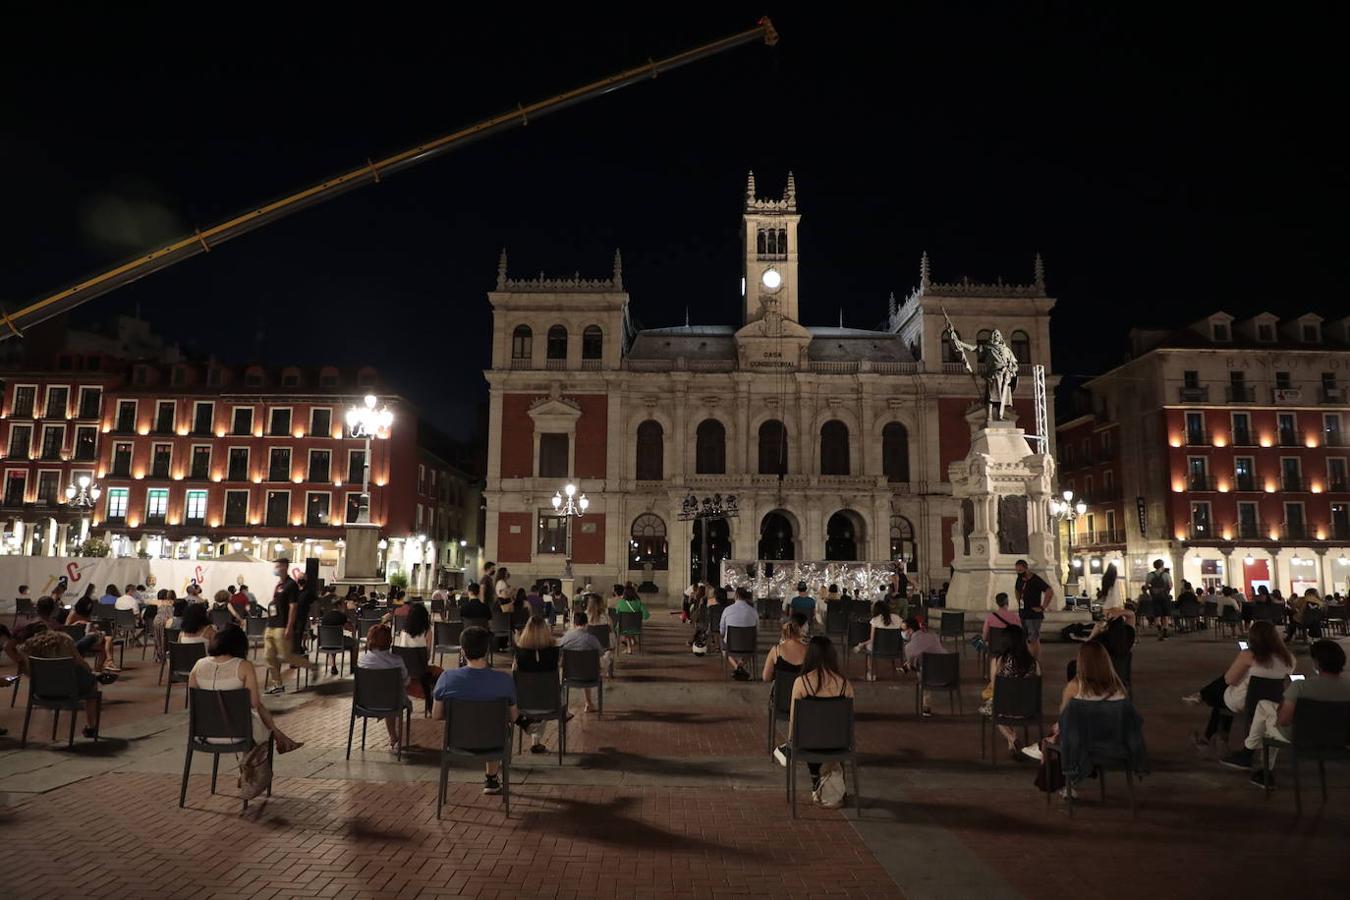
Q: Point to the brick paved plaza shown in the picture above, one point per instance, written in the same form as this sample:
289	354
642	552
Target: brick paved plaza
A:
670	794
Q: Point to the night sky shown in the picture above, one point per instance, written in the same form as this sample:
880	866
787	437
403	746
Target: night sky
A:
1164	166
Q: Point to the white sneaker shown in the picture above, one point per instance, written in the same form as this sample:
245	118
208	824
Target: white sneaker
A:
780	755
1192	699
1033	751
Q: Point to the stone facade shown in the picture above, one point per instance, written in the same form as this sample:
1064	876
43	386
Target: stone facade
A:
836	441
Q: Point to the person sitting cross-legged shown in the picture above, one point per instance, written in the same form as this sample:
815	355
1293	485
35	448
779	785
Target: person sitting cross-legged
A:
476	681
741	614
1266	656
1329	684
578	638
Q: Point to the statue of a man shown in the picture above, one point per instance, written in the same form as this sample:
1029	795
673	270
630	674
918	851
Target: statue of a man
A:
999	369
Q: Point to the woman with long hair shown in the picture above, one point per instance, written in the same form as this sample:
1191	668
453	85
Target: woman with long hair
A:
417	633
378	655
1266	656
631	603
821	677
883	619
163	613
789	653
1016	662
226	667
536	651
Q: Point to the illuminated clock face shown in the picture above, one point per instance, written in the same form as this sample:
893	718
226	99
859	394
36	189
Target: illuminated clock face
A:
771	280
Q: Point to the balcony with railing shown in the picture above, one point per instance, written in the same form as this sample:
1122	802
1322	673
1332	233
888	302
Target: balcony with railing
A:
1202	531
1292	483
1340	531
1084	537
1194	393
1338	486
1199	482
1331	394
1245	483
1294	531
1250	531
1198	437
1242	438
1241	393
1333	439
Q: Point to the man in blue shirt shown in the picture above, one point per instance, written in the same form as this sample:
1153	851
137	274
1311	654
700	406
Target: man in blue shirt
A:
476	681
803	603
741	614
109	597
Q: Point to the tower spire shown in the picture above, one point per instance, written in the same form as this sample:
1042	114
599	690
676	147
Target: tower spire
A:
890	307
841	317
1039	272
750	187
618	270
790	192
501	271
924	271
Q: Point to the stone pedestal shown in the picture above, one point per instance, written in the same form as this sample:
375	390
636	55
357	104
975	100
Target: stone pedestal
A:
1003	488
362	556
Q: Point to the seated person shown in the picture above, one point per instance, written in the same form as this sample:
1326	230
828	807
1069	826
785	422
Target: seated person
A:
378	656
1329	684
631	603
578	638
1000	617
1266	656
882	619
336	617
196	627
472	609
94	640
1309	600
1016	662
417	633
821	677
222	601
918	641
475	681
741	614
226	667
536	652
45	620
1096	681
53	643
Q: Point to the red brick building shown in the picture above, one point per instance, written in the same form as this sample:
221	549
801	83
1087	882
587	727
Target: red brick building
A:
220	455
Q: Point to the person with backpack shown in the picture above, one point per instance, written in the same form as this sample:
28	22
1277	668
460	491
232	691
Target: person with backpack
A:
1001	617
1159	585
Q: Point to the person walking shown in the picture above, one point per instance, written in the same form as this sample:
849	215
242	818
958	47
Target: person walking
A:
279	637
1159	585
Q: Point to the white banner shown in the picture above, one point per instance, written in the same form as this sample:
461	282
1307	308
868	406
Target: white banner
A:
43	574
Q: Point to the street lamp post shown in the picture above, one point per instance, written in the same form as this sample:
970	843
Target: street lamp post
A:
573	506
705	512
1065	511
82	495
368	422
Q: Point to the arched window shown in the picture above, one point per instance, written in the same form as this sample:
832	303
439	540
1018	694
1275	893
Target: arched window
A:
895	452
761	242
773	448
522	342
776	540
902	543
834	448
982	339
647	543
1021	346
649	451
557	342
841	538
710	449
592	342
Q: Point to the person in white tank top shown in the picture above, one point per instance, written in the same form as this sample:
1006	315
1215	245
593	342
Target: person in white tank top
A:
226	668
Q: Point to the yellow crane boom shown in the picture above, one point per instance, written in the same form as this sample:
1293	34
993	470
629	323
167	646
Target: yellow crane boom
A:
207	239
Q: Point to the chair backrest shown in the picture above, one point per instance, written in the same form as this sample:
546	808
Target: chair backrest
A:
75	631
953	624
581	665
1188	608
182	657
940	670
630	622
603	634
742	638
858	630
415	658
367	622
221	617
1312	616
822	723
836	617
1230	614
53	679
477	725
780	692
448	634
538	691
24	606
1259	689
378	688
398	623
1263	612
519	616
330	637
1144	607
715	617
220	714
1210	609
1322	725
437	606
1335	612
255	626
500	622
1019	697
998	641
124	618
889	642
1106	729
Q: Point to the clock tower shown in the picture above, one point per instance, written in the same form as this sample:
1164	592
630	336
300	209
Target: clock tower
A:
769	234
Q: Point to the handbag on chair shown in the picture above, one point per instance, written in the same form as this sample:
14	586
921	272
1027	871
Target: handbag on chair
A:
255	769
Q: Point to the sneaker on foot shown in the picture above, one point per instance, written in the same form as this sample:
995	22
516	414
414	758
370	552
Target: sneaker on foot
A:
1242	759
277	689
332	670
491	785
1033	751
538	748
1262	779
927	712
780	755
1192	699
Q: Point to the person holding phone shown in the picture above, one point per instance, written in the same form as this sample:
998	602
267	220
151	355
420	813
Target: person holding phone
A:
1264	655
1329	684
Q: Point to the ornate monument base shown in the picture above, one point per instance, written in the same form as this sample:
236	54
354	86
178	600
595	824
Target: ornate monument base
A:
1004	489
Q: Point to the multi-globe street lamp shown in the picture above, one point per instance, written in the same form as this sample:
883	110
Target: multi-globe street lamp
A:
82	495
368	422
571	506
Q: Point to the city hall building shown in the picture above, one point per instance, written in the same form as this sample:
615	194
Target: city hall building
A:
835	441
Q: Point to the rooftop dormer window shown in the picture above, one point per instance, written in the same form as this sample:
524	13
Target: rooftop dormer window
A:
1311	333
1218	331
1265	332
